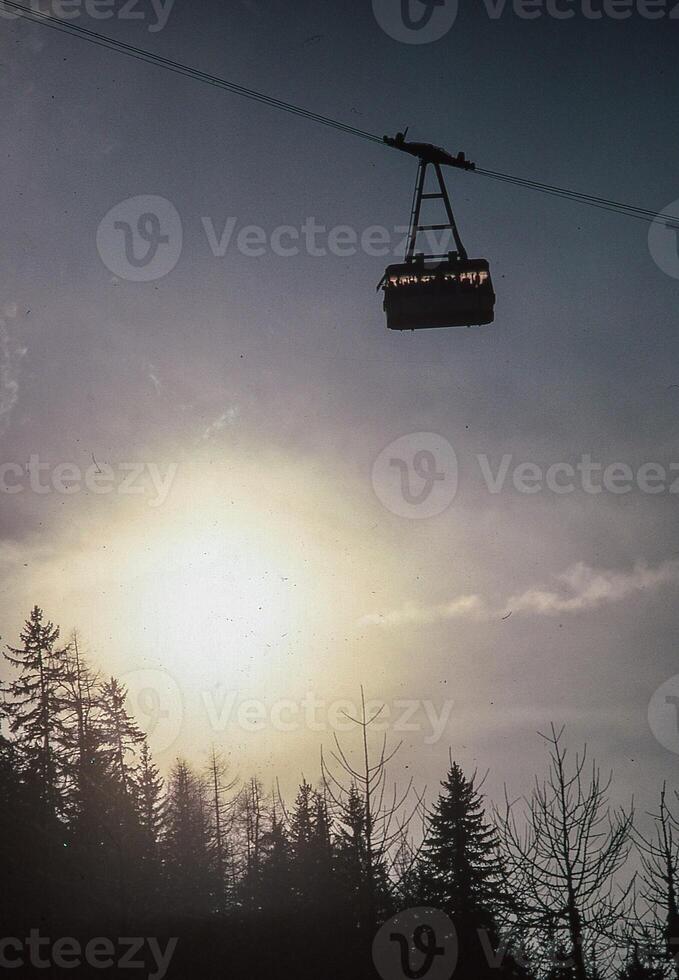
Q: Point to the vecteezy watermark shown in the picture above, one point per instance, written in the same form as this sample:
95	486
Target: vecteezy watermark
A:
67	478
226	709
587	9
156	701
140	239
153	13
419	942
416	476
314	239
663	714
415	21
422	943
585	475
101	953
663	240
423	21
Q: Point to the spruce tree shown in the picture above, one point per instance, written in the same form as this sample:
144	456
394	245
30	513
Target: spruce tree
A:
149	802
302	840
460	853
302	822
93	884
35	703
313	883
275	888
324	885
351	849
81	739
33	707
120	731
190	878
460	871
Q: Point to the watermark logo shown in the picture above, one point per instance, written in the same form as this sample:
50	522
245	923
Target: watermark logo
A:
100	478
415	21
153	13
226	711
663	714
663	240
418	944
101	953
156	702
141	238
423	21
416	475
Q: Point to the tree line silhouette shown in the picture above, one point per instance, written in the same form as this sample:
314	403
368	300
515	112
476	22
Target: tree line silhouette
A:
95	842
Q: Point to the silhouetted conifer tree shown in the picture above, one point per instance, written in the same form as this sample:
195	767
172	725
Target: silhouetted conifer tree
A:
222	809
35	702
350	849
190	877
119	730
460	870
252	824
81	739
275	884
93	884
149	800
33	707
311	848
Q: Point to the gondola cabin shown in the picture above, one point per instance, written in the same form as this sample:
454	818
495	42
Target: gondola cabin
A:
443	290
454	293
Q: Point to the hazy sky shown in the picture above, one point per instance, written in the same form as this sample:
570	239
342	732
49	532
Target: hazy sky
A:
279	558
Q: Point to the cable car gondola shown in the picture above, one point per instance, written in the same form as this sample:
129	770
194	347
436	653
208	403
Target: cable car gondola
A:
449	290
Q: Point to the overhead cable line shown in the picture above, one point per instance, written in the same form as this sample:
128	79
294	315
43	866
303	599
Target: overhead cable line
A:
141	54
149	57
581	198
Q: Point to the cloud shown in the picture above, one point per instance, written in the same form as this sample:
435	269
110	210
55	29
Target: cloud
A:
580	588
462	607
588	588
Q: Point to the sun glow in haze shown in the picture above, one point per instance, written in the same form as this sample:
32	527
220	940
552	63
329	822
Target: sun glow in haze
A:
249	582
220	600
249	576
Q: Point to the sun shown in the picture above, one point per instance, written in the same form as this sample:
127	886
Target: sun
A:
251	576
221	601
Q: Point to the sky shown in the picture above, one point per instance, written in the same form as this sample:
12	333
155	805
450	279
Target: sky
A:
211	457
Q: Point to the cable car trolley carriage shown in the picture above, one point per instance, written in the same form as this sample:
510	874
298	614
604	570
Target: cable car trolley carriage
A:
448	290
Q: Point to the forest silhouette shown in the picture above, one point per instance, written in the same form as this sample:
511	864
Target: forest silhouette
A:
233	880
